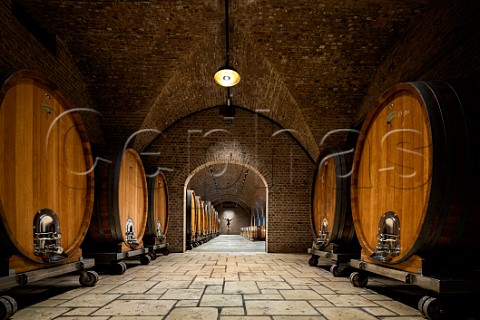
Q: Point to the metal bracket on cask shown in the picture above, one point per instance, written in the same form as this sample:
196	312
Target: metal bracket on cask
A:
323	234
130	233
47	236
160	235
388	245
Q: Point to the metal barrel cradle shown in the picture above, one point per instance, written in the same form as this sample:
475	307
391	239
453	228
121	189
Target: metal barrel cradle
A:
434	305
8	305
339	262
115	260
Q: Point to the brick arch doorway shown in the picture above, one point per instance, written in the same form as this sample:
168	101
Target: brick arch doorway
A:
238	209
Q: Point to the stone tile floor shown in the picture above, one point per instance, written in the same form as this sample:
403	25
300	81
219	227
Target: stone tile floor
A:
217	285
231	243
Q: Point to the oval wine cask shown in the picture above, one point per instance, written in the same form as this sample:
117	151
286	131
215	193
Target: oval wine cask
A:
199	213
47	185
190	211
332	220
121	202
415	184
157	219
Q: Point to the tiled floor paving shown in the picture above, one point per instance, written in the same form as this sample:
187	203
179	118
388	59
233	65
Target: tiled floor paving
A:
218	285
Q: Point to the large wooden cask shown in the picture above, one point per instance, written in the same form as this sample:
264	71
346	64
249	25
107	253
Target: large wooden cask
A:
415	186
208	217
157	219
121	203
46	182
190	212
216	221
200	217
332	222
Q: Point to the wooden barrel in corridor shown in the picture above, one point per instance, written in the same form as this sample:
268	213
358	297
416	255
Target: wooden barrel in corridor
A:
199	213
46	187
332	220
206	212
157	218
191	216
415	185
121	202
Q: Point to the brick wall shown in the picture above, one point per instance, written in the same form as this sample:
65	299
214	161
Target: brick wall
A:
19	49
251	141
444	44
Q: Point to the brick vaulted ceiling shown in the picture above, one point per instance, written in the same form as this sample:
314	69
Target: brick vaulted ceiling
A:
147	63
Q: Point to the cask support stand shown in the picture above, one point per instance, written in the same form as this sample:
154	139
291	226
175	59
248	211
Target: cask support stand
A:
8	305
432	306
158	248
114	259
339	259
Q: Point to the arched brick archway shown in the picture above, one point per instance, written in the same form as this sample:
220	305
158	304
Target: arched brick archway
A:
252	141
248	203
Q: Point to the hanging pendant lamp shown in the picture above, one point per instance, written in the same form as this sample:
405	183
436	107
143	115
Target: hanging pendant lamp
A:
227	76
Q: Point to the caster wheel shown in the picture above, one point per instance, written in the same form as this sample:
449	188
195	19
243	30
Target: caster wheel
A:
335	270
420	304
88	278
8	306
145	260
431	308
152	255
313	261
358	279
13	303
166	252
119	268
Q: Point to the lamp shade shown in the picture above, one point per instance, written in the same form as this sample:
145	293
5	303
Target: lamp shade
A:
227	76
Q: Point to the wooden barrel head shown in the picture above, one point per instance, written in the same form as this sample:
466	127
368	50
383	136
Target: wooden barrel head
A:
132	195
191	214
199	212
121	202
45	161
331	213
393	171
208	216
157	207
410	184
